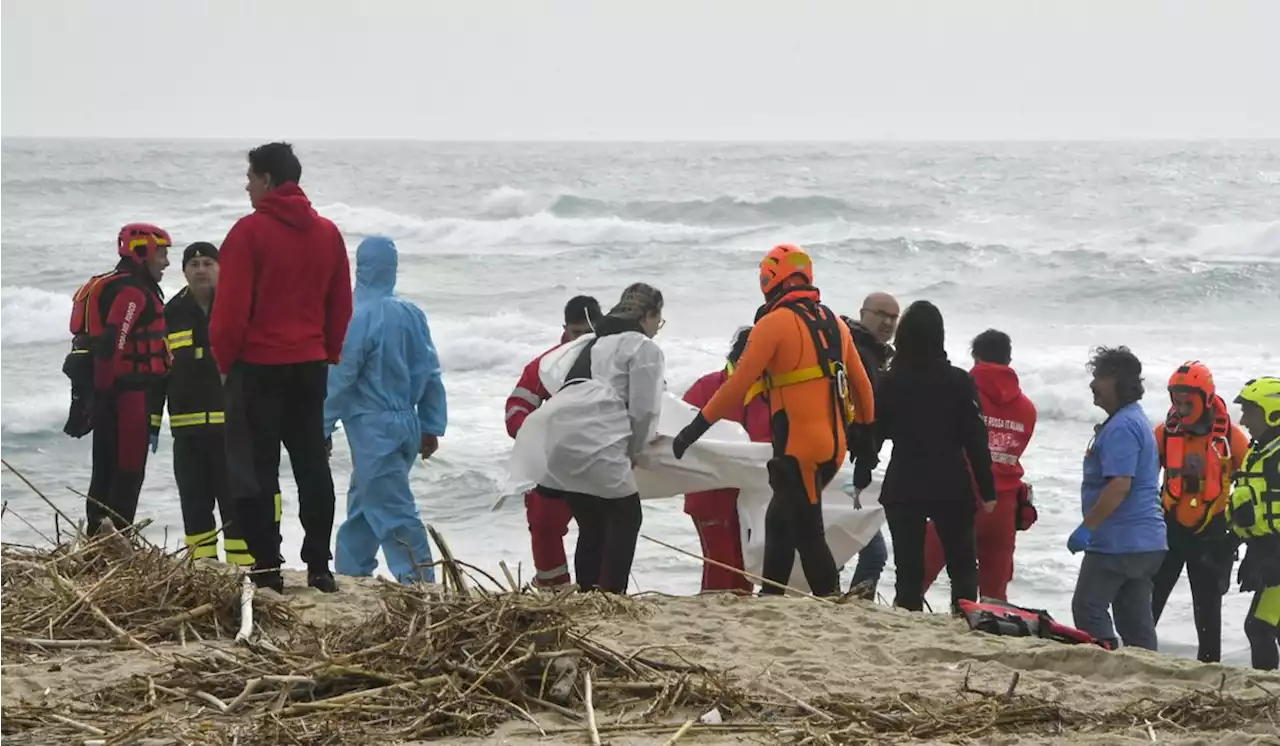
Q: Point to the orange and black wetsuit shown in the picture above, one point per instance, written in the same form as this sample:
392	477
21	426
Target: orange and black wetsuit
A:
802	358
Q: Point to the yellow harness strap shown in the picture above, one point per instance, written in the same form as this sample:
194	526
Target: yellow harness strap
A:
780	380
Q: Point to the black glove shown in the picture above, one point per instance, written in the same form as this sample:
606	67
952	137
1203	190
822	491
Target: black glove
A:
863	448
861	475
689	435
1247	575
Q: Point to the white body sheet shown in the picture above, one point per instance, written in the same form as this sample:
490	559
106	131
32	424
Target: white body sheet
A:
723	457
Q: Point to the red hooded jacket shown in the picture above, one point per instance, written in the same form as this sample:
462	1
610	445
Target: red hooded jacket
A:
284	288
1011	419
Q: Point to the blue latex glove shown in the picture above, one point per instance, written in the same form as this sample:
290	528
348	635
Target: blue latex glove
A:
154	438
1080	539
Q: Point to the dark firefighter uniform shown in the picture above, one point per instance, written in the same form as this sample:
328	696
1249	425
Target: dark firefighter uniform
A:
196	419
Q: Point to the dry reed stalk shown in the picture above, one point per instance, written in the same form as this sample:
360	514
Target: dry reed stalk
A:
429	664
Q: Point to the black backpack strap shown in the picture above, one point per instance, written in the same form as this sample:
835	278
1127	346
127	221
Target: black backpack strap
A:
581	368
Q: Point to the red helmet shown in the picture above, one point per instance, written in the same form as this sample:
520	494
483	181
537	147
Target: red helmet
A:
781	264
137	241
1193	377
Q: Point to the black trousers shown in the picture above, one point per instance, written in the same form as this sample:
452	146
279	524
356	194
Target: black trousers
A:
121	431
267	406
1208	561
954	522
608	529
793	524
200	470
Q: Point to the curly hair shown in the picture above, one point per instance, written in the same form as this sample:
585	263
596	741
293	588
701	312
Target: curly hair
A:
1122	365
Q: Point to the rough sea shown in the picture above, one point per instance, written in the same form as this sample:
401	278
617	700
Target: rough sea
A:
1170	248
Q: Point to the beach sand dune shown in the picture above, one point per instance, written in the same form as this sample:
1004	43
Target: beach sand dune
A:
798	653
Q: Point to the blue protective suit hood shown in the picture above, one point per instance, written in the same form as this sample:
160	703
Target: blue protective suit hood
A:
376	264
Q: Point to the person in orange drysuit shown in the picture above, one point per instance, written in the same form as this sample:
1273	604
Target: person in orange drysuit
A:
548	516
820	400
1010	418
715	512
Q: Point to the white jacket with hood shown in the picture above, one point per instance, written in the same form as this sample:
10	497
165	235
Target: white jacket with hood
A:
586	437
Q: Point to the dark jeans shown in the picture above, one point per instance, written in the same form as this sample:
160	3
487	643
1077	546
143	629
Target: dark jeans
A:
871	562
1119	584
1208	561
608	529
954	522
270	405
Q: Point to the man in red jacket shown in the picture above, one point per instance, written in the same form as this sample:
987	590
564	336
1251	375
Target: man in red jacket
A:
284	301
548	516
1011	418
715	512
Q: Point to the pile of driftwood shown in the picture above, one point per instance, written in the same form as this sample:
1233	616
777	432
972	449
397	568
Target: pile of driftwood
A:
433	663
425	664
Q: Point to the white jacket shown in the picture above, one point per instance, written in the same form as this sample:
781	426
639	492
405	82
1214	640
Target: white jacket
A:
587	435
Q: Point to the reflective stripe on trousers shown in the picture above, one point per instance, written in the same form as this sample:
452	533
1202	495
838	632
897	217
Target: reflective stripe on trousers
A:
193	418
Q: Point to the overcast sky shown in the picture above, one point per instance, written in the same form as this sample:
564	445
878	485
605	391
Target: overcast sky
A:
642	69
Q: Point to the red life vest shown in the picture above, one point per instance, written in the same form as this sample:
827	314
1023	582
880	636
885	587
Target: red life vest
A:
1014	621
1197	469
144	360
146	355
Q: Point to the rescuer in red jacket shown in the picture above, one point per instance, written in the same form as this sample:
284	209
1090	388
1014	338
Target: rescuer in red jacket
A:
548	516
715	512
1010	418
284	302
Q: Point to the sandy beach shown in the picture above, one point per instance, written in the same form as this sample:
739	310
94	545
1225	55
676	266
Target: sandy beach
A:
776	670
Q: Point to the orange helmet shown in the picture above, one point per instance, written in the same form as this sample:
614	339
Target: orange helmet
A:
781	264
1193	377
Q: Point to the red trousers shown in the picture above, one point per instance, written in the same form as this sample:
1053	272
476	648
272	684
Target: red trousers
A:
121	431
715	516
995	535
548	525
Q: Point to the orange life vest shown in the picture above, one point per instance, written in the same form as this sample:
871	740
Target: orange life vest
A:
1197	470
86	306
147	355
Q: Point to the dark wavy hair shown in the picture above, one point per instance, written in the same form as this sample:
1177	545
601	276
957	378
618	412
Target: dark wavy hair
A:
1120	364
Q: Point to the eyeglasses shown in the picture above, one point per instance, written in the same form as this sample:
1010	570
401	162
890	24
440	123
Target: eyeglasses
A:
891	317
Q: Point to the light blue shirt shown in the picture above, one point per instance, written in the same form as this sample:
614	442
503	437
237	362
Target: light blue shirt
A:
1125	446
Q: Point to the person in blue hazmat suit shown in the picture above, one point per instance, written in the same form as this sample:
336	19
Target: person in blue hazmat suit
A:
388	393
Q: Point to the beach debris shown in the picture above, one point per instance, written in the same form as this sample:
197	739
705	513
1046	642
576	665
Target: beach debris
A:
246	609
426	663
